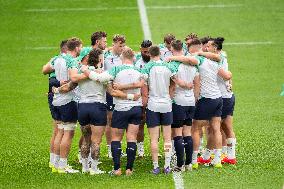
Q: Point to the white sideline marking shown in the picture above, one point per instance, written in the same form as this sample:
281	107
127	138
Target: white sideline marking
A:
80	9
194	6
226	44
178	180
131	8
250	43
144	20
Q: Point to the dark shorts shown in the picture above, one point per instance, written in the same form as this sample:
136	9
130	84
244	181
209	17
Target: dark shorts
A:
228	107
206	108
154	119
109	100
92	113
121	119
67	112
182	115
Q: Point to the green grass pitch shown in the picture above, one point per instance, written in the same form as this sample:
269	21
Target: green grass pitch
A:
258	75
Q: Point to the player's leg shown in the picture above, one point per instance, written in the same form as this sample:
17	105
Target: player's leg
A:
98	121
217	137
131	136
57	141
119	123
140	135
54	133
134	120
227	116
85	147
69	118
166	121
110	107
96	138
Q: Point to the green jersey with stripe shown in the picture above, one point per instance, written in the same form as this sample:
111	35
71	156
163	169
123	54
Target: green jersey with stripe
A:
159	75
223	85
111	60
123	74
208	71
187	73
61	71
126	74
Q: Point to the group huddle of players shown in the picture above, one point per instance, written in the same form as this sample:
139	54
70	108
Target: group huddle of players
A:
182	87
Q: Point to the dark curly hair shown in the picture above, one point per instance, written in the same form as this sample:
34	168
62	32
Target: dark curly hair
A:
94	57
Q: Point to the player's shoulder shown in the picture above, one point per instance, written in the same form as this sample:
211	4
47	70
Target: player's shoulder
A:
108	53
162	45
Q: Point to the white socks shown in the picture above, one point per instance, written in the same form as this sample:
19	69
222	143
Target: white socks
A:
168	154
56	160
51	158
231	149
194	157
95	164
224	150
85	163
62	163
217	157
155	164
206	155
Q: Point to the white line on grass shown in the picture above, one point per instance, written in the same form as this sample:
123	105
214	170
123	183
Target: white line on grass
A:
250	43
195	6
144	20
255	43
131	8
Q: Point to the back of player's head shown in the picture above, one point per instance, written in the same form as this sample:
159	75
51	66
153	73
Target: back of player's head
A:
73	42
176	45
154	51
194	42
117	38
169	38
128	53
146	44
97	36
94	57
63	43
204	40
191	36
63	46
218	42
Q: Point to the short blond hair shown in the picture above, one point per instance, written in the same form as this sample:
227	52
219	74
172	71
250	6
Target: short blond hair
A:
128	53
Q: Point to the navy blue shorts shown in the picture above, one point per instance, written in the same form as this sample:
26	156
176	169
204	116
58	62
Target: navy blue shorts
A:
154	119
206	108
109	100
182	115
67	112
51	107
92	113
121	119
228	107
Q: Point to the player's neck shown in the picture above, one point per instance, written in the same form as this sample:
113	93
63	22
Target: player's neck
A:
155	58
177	53
129	62
115	52
72	53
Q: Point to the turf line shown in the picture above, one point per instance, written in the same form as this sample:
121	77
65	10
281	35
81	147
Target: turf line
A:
144	20
131	8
